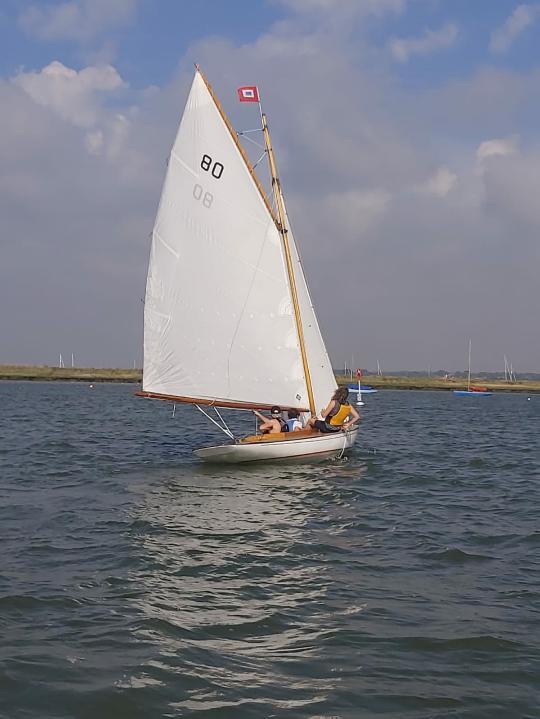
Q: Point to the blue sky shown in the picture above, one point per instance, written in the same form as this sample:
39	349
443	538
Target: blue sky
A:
406	133
148	45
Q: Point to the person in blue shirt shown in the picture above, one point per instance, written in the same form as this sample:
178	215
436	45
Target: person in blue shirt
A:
293	421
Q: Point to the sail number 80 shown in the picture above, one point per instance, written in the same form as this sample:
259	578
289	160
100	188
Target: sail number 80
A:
216	168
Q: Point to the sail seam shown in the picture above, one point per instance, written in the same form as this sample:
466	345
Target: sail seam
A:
196	175
166	244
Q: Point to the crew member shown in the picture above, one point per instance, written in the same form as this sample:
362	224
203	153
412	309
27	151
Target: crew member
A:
273	424
337	415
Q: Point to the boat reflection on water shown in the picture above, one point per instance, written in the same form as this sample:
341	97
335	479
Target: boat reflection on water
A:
232	579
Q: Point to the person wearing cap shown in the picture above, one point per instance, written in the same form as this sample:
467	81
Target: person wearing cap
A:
273	424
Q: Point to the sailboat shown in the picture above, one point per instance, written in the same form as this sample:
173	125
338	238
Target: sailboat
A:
228	318
472	390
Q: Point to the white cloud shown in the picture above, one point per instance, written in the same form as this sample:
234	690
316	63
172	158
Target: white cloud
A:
347	7
94	142
81	180
78	188
336	17
440	183
431	41
75	96
512	188
76	19
522	18
358	210
497	147
78	97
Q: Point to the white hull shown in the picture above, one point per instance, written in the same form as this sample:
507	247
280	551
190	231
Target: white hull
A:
319	447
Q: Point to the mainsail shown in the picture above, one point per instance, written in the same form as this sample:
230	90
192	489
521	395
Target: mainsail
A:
219	325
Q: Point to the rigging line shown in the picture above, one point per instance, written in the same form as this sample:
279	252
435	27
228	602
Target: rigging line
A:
340	456
245	132
216	410
227	431
260	158
254	142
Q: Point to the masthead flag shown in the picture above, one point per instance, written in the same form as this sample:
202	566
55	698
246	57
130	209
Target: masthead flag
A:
248	94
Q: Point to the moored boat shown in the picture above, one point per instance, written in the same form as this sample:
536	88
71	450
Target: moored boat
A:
472	390
364	389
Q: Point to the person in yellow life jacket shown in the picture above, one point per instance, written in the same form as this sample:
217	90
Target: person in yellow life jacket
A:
337	415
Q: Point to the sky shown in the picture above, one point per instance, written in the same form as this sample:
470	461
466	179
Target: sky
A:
406	134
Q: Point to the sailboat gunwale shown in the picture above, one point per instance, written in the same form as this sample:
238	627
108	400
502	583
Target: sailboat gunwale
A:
319	446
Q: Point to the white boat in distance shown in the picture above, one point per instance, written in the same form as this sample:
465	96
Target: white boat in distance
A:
228	318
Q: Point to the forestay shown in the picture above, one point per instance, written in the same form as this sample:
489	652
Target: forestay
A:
218	313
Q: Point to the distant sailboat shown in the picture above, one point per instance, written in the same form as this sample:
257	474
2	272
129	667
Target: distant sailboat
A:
228	319
362	389
472	390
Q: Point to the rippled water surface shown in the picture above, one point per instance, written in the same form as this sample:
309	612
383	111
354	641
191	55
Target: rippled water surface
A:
401	581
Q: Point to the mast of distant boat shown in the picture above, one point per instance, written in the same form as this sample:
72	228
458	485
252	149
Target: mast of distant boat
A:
359	401
469	372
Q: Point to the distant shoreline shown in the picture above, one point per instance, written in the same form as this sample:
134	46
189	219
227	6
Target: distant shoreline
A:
92	374
440	384
68	374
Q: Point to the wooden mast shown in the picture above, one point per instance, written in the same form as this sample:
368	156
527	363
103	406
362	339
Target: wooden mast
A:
282	227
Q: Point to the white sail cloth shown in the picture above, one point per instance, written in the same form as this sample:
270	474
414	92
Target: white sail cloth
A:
218	321
322	375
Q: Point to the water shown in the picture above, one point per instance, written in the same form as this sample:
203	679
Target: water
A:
400	582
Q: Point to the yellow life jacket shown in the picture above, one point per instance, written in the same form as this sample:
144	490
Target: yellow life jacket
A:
341	415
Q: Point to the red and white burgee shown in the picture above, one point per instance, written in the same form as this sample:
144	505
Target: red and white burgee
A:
358	373
249	93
